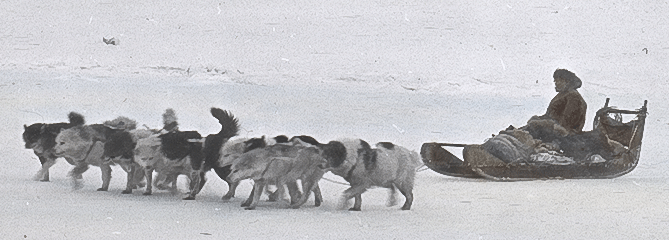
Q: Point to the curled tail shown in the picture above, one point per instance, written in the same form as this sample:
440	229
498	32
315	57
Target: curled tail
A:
229	124
121	123
76	119
214	142
170	120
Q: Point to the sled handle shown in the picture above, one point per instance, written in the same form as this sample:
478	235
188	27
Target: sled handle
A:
451	144
595	123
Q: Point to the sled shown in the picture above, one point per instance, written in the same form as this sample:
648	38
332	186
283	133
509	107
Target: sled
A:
478	163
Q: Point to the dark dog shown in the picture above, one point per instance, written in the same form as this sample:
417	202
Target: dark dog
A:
171	154
41	138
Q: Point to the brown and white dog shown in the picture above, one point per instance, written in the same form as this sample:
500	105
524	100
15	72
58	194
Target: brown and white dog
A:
85	145
280	164
388	165
41	138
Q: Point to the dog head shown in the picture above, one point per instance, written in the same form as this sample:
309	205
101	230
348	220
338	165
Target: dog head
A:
334	153
148	151
74	143
32	134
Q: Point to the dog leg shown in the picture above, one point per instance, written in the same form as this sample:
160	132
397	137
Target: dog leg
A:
75	174
130	184
223	173
203	180
106	176
43	174
138	177
407	191
358	203
251	196
392	196
318	197
354	192
257	191
273	196
310	184
148	173
194	185
232	187
294	192
281	192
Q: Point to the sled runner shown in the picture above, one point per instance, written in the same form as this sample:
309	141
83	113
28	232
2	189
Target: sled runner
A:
479	163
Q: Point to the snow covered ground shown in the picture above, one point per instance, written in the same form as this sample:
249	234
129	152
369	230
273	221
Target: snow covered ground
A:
402	71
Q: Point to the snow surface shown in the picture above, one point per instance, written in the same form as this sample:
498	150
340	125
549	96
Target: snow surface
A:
408	72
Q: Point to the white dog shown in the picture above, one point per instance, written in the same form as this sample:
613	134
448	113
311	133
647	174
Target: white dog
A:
387	166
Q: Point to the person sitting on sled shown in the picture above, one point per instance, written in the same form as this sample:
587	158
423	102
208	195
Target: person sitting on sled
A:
566	112
559	131
564	117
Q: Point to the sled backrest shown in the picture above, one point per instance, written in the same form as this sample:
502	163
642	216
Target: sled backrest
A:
628	134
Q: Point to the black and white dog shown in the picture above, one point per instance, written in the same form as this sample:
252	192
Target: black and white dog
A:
175	153
41	138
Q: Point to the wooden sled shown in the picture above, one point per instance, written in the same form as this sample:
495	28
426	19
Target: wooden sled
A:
478	163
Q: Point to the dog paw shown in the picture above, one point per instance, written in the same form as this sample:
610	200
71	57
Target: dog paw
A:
76	185
245	204
392	201
317	203
406	208
189	198
44	180
249	208
226	198
354	209
146	193
295	206
126	192
102	190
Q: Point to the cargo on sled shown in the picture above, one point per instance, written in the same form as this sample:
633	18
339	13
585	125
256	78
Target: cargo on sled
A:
479	163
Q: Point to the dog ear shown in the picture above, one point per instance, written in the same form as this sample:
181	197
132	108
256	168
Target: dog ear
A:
25	127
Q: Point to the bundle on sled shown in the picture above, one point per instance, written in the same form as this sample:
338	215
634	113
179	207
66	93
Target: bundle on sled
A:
610	150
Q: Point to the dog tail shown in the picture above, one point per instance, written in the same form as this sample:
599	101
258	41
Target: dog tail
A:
121	122
229	124
76	119
170	120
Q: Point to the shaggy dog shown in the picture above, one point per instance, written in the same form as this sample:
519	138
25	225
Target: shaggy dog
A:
230	151
172	153
41	138
280	164
85	145
234	148
387	166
